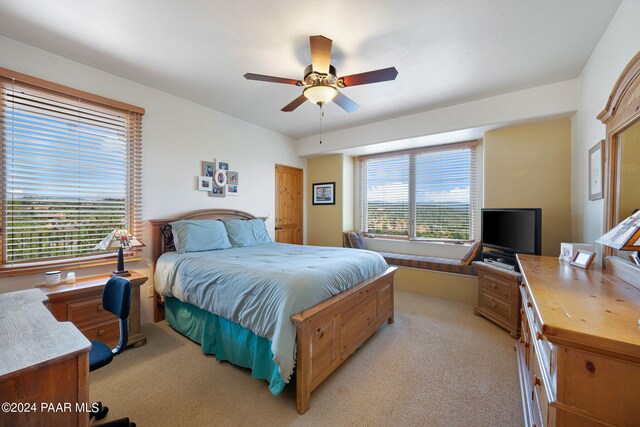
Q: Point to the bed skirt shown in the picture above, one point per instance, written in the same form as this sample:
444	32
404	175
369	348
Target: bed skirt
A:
226	340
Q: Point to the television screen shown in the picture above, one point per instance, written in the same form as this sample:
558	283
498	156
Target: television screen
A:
512	230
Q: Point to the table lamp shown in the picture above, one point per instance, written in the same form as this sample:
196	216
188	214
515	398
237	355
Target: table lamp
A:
119	238
625	236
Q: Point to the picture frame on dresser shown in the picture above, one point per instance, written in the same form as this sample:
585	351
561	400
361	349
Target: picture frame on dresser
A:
582	259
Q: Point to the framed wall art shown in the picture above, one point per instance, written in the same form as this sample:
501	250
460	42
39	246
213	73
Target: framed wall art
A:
221	164
217	191
207	168
596	171
220	178
324	193
205	183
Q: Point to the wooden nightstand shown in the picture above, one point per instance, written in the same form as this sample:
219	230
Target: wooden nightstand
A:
499	296
81	304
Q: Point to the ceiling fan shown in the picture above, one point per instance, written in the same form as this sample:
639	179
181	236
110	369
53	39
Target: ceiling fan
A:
321	81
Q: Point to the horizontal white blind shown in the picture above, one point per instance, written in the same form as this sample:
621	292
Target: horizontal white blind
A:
443	194
426	193
71	173
385	195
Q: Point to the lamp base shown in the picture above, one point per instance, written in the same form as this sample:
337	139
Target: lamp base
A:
123	273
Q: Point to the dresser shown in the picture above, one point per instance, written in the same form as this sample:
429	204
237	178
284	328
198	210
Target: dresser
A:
81	304
44	365
579	351
499	296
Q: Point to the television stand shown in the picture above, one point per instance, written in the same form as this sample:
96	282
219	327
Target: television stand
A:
501	260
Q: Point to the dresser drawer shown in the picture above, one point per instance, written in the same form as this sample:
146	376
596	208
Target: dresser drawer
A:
495	304
107	332
496	286
88	311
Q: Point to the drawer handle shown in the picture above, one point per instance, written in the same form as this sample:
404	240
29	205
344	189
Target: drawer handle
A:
494	286
101	332
100	308
495	305
536	380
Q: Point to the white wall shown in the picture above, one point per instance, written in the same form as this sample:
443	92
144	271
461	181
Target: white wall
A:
619	43
535	104
177	135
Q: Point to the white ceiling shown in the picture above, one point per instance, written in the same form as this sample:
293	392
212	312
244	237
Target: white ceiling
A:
446	51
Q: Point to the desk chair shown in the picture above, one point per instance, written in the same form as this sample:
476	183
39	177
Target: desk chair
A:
116	298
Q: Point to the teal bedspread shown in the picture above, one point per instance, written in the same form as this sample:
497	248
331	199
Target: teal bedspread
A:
261	287
226	340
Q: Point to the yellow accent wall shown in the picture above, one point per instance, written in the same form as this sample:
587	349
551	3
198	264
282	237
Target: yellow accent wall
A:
529	166
629	198
325	223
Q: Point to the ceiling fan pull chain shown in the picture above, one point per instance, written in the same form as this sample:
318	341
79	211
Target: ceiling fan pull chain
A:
321	116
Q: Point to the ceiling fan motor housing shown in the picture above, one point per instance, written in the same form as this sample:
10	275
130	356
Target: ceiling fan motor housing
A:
312	78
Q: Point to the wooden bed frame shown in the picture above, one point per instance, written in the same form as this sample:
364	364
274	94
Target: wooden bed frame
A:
327	333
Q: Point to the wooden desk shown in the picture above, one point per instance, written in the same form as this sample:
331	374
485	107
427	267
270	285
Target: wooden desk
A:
81	303
42	361
579	352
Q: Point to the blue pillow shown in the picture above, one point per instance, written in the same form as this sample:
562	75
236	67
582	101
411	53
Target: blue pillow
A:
199	236
247	232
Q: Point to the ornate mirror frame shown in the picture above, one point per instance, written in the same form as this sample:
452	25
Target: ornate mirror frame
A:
622	111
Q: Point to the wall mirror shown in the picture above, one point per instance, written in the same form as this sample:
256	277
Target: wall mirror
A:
621	116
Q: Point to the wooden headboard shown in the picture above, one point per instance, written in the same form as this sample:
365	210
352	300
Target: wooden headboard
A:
158	241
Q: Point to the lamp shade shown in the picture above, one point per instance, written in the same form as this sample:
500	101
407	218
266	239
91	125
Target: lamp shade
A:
625	236
320	94
118	238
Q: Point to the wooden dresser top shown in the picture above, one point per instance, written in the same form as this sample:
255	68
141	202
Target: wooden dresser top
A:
30	336
589	309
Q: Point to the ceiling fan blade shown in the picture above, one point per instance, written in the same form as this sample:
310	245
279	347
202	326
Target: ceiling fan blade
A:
376	76
346	103
271	79
320	54
294	104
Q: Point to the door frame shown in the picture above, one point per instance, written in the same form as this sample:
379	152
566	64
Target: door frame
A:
302	199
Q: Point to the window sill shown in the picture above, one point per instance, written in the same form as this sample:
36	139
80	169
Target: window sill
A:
421	241
24	268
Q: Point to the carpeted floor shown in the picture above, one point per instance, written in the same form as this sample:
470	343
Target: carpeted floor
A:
437	365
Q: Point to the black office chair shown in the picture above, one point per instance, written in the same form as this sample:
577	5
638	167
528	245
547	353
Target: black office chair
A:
116	298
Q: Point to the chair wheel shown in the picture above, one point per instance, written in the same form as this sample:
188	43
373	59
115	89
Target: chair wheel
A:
99	413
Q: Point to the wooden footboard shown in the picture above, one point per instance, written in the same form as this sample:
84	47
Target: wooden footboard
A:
328	333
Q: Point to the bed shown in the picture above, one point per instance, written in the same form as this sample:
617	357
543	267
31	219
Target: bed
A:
326	325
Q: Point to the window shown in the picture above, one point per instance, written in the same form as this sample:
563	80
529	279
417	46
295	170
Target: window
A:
419	194
71	172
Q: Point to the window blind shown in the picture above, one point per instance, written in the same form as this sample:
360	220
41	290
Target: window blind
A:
422	193
71	172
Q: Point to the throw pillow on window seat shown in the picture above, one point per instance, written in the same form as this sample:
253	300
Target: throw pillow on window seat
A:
356	240
472	253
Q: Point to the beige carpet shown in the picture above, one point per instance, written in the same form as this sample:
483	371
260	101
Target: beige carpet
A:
437	365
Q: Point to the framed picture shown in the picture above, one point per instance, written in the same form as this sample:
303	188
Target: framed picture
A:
220	178
232	190
205	183
207	168
582	258
217	191
232	178
324	193
596	171
222	164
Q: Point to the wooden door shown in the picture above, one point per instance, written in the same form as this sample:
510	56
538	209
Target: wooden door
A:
288	205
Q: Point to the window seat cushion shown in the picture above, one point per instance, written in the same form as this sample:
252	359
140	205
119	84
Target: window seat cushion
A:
447	265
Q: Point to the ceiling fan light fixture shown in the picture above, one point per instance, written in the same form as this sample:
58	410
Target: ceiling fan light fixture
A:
320	94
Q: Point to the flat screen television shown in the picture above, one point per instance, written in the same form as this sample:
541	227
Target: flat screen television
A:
513	230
